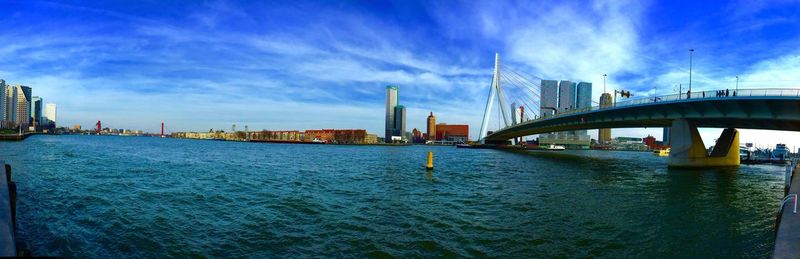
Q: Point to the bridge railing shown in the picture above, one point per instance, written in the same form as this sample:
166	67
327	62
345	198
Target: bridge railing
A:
712	94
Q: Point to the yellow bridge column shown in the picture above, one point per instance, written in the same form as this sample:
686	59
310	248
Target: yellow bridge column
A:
688	150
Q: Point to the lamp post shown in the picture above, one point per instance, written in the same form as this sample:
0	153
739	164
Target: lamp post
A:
737	83
690	69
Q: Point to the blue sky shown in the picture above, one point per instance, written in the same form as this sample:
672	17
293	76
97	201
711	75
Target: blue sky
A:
301	65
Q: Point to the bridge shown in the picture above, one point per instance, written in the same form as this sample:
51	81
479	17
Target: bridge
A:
772	109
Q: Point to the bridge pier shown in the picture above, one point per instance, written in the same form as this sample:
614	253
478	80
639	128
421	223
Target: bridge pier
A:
688	150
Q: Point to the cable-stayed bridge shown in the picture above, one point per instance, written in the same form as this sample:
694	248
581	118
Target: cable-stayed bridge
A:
772	109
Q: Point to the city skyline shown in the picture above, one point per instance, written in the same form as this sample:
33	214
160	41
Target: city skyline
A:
157	66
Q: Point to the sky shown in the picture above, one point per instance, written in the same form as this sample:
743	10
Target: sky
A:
198	65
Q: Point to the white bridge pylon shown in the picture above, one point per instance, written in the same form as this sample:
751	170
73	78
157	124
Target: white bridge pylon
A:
495	92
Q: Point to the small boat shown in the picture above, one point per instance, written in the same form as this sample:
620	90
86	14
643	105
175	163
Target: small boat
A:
661	152
553	147
462	145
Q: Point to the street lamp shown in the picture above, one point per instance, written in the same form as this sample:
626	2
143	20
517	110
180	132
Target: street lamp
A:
690	69
737	83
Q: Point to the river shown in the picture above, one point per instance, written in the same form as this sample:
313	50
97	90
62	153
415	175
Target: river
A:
111	197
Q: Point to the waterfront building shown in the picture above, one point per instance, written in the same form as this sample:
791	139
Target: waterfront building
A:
548	103
566	102
23	106
560	97
36	112
10	104
416	136
400	122
391	102
604	135
3	106
566	96
458	133
431	133
50	114
370	139
665	136
548	99
583	101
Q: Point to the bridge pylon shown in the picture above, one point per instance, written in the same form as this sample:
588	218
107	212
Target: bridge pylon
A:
688	150
496	91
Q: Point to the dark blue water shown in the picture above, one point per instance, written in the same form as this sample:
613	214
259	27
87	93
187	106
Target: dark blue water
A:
109	197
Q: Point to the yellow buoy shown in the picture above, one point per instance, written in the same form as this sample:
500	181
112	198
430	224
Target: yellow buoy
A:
430	161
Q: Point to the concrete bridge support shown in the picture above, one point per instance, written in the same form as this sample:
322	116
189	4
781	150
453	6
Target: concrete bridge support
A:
688	150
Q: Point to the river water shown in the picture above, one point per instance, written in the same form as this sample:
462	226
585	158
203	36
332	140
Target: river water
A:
110	197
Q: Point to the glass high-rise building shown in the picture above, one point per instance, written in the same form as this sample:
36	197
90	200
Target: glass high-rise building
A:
583	100
3	103
36	111
566	96
400	121
391	102
548	98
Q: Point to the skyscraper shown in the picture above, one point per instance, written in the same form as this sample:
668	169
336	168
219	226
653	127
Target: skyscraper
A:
3	106
400	121
22	103
566	96
548	100
431	127
391	102
50	114
604	135
566	102
36	111
10	104
583	100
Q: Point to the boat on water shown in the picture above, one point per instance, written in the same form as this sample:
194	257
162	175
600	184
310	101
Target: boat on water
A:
553	147
661	152
780	152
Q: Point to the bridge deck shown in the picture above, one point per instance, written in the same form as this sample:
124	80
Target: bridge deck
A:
751	111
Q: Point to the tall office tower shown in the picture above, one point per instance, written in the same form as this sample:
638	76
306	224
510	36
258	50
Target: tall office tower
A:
400	121
10	104
665	137
3	105
583	100
23	105
548	99
50	114
431	127
566	96
391	102
566	102
604	135
36	111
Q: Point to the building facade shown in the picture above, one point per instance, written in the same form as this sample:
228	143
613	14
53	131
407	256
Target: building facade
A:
23	106
391	102
452	132
400	122
36	112
548	98
51	114
431	132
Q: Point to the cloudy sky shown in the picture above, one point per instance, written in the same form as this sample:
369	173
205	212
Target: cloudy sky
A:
300	65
